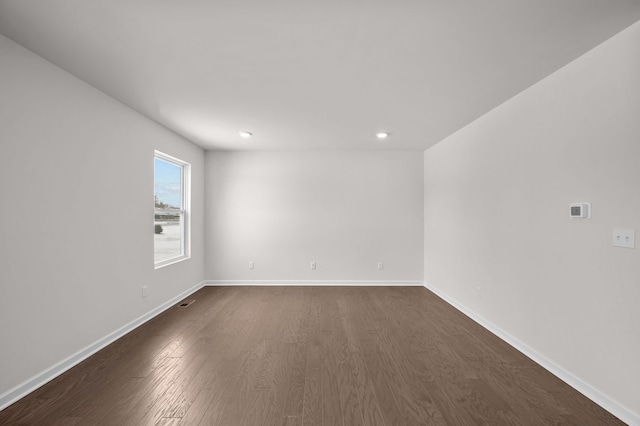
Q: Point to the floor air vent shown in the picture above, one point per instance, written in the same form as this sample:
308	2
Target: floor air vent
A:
186	303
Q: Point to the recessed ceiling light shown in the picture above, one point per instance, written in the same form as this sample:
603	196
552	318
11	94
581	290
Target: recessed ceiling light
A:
382	135
245	134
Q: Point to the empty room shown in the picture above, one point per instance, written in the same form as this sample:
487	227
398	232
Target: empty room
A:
320	213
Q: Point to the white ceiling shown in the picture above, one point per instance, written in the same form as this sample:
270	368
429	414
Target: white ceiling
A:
304	74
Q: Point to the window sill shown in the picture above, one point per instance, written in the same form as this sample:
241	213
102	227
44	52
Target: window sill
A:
171	261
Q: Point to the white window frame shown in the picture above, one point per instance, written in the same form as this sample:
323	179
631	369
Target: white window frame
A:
184	212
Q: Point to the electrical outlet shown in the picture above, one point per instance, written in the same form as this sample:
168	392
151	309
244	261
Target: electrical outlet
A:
252	265
380	266
479	292
624	238
145	291
313	266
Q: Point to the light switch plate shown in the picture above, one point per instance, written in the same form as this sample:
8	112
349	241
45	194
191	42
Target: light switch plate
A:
624	238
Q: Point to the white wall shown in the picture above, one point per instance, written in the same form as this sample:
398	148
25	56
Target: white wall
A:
345	210
497	195
76	245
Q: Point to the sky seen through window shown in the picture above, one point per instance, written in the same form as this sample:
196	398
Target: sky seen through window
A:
167	183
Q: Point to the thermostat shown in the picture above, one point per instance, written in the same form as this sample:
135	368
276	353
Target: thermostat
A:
580	210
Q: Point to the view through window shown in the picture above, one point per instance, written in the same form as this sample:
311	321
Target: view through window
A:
171	177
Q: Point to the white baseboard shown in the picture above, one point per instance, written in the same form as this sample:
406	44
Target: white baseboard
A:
214	283
587	390
28	386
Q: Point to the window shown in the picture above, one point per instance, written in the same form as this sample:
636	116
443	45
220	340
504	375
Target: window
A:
171	196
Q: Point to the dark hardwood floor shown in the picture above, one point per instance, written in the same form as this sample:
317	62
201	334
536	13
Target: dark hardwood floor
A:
344	356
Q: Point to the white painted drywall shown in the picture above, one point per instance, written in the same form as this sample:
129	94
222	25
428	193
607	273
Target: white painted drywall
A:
497	197
345	210
76	234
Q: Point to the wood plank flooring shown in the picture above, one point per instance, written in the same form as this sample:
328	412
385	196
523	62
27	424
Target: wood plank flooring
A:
281	356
